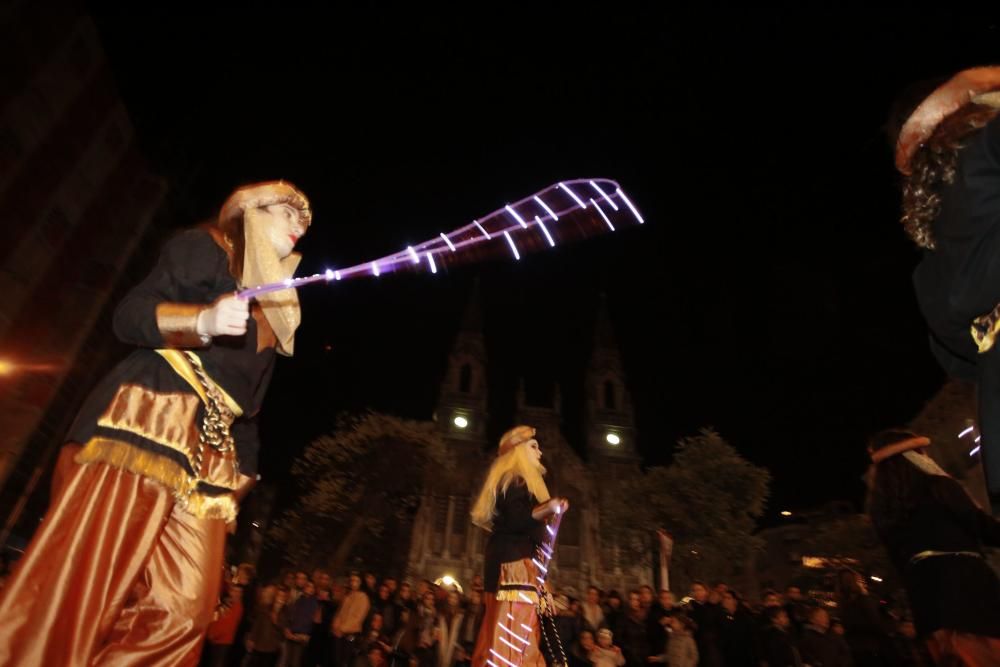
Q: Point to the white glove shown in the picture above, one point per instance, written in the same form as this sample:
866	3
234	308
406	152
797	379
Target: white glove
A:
226	317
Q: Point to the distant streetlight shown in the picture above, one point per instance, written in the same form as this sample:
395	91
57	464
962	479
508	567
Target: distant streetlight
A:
8	367
460	421
450	582
613	439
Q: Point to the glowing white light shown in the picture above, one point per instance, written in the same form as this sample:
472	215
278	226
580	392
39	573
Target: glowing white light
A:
786	513
628	203
526	627
601	211
480	227
336	275
502	659
448	241
966	432
975	450
511	646
539	565
551	532
606	198
540	580
613	439
513	247
329	274
256	525
525	598
430	260
548	237
546	207
519	219
573	195
288	282
514	634
460	421
510	616
558	509
878	579
413	254
375	270
448	580
978	438
491	663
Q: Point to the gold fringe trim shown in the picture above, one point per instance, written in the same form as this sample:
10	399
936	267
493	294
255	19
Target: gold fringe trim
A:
136	460
517	596
125	456
211	507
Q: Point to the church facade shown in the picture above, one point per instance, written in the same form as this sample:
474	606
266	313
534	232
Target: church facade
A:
444	541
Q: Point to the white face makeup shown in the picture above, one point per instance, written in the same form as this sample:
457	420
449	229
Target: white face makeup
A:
534	451
284	227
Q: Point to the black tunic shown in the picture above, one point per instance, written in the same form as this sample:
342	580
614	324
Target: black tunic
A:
960	280
953	592
192	269
515	533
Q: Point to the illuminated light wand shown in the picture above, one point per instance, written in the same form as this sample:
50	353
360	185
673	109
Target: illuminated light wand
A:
561	213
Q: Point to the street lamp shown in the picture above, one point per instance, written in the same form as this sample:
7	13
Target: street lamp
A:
613	439
460	421
450	582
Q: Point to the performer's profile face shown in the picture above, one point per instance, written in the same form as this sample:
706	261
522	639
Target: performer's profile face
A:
534	451
284	227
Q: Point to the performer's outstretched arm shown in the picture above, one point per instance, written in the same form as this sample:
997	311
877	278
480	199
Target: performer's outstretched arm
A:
548	508
163	309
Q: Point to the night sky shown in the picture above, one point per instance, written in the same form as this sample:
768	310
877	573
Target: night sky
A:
768	297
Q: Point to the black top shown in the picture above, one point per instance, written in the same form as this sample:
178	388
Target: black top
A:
515	533
192	269
954	592
960	280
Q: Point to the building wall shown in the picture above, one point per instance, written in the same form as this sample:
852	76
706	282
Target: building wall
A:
78	199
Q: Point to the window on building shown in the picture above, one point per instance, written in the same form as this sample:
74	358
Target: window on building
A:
440	523
459	527
609	395
465	379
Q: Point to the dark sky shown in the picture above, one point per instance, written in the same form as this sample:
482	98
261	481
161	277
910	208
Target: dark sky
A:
767	297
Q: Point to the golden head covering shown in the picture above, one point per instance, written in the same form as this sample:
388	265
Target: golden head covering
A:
968	86
261	263
259	195
514	437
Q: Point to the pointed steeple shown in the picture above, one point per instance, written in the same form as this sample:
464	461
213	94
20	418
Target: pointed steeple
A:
461	408
610	418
